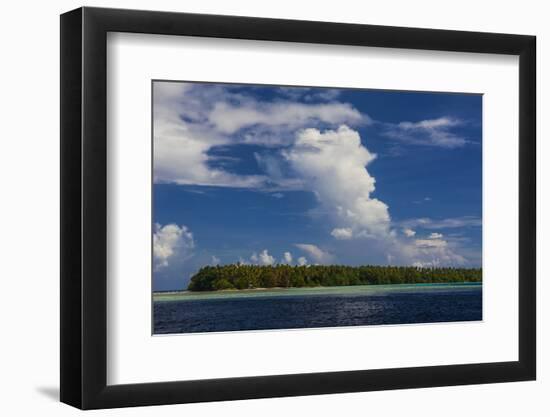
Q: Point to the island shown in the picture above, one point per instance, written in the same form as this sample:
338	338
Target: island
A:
243	277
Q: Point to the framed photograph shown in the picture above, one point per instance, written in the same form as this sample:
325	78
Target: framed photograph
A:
257	208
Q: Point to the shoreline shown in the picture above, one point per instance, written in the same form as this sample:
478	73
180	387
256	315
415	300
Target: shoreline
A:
232	290
289	291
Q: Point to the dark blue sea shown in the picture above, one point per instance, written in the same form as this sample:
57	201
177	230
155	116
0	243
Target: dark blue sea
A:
299	308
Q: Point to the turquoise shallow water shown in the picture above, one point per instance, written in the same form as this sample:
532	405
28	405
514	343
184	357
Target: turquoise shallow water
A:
282	292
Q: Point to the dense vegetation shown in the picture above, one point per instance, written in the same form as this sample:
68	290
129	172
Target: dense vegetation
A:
236	276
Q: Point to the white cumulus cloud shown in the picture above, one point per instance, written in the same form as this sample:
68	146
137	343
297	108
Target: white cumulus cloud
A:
434	251
171	240
264	258
181	146
287	258
409	232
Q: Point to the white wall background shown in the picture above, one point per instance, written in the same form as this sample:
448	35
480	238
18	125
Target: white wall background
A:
29	176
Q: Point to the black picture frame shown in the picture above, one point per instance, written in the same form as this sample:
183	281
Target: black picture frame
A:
84	207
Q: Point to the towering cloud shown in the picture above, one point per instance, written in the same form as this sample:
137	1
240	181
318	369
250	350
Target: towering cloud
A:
333	166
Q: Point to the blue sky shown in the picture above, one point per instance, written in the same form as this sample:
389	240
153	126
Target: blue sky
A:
266	175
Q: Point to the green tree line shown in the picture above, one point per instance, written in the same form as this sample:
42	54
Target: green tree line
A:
239	277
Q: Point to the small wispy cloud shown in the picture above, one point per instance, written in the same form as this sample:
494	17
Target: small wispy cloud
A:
309	94
228	118
423	200
318	255
430	243
430	132
449	223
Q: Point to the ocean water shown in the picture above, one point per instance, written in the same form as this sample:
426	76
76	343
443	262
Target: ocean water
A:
296	308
